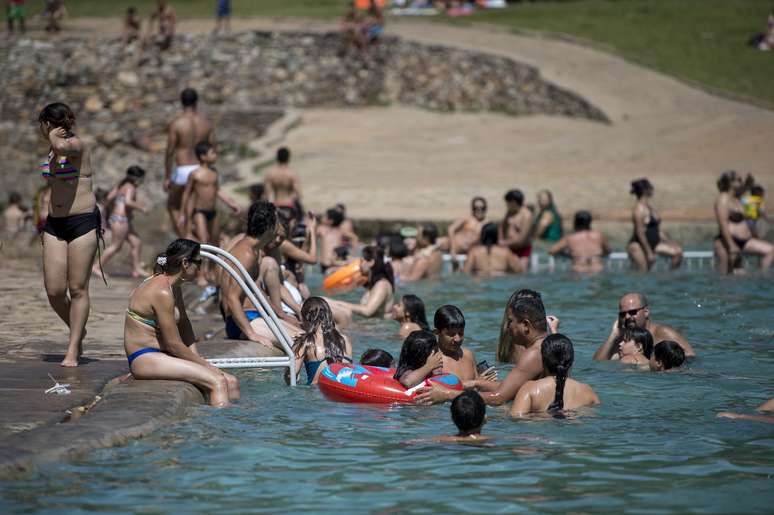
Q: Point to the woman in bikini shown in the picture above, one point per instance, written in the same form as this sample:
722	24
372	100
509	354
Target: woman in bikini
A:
124	202
649	239
735	237
158	337
320	343
73	225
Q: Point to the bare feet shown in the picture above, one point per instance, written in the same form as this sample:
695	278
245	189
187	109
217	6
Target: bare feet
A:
140	274
70	361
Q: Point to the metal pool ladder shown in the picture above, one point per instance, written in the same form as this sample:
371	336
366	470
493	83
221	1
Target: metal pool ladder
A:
242	277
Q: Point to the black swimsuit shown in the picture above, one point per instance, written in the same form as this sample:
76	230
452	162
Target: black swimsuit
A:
735	217
209	214
652	231
69	228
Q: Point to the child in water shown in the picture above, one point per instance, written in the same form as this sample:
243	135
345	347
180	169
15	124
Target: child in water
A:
419	359
468	412
635	348
377	358
666	356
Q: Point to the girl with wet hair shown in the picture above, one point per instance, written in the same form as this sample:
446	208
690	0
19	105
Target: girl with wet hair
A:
410	314
123	199
635	347
380	285
158	337
649	239
419	359
556	391
73	227
319	343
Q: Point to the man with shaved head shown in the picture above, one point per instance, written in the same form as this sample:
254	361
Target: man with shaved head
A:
633	311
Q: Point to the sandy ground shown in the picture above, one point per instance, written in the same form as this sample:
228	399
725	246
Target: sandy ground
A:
400	162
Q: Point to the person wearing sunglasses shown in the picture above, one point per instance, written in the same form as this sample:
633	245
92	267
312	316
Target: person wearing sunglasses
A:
158	337
465	232
633	311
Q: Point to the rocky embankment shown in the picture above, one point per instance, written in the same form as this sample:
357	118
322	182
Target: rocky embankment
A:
123	98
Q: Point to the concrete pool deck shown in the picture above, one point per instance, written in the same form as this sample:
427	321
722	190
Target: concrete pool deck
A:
107	406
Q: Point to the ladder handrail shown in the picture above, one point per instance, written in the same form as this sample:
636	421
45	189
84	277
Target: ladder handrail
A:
257	299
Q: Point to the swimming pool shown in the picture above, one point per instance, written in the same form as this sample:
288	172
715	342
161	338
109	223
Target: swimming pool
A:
654	445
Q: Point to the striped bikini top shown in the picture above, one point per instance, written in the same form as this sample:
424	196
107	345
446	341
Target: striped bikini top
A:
63	169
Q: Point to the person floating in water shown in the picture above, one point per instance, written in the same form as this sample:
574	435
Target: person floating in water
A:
556	391
634	311
516	227
465	232
587	247
489	259
649	239
468	412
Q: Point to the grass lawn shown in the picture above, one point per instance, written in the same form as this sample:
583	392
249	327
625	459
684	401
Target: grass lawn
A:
703	41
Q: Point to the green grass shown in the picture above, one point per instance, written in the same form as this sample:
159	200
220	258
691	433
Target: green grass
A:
702	41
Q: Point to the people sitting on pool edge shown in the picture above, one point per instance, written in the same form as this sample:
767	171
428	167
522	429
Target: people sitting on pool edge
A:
320	342
489	259
635	347
465	232
380	286
548	222
159	346
527	324
449	325
556	391
507	350
468	412
666	356
585	246
419	359
635	312
428	258
377	358
409	312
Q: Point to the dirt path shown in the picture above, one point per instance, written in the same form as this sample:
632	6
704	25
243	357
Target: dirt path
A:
399	162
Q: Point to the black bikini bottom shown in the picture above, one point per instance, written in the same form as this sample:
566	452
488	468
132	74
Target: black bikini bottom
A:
69	228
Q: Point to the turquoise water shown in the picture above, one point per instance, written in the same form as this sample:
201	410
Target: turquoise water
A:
653	446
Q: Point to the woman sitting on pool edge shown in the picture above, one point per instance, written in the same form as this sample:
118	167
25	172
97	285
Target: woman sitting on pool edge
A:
377	300
419	358
556	391
160	347
320	343
410	314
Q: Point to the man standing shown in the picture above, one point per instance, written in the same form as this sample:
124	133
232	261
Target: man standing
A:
633	311
515	231
282	186
185	131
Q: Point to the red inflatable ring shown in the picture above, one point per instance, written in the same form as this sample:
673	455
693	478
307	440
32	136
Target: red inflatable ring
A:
375	385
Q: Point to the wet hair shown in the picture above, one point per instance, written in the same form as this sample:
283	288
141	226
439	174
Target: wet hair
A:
335	216
468	410
430	232
380	270
283	155
558	355
480	200
725	180
261	217
669	353
377	358
398	248
417	347
316	314
641	336
256	191
758	190
415	309
530	309
582	221
14	198
505	342
515	196
640	187
178	251
189	97
449	317
489	235
58	115
202	148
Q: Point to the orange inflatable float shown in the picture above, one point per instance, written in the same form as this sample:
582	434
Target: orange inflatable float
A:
348	276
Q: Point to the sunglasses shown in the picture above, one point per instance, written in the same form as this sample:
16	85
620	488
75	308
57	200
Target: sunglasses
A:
479	208
631	312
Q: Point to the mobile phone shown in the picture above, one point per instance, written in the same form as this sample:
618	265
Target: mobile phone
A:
482	366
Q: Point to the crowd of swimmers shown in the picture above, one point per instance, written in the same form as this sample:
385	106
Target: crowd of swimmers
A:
278	238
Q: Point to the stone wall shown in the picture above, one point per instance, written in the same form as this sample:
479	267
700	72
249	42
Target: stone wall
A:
123	99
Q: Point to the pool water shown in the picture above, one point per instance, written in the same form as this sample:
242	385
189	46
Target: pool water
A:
653	446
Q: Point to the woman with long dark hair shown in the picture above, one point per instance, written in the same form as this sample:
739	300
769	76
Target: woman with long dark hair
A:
380	286
73	227
488	259
419	358
158	337
410	314
649	239
320	342
556	391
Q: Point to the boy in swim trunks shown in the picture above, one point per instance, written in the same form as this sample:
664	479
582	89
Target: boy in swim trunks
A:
200	196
